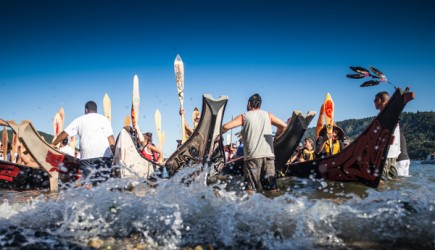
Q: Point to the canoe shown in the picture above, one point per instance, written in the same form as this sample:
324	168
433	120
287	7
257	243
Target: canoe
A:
57	166
203	147
16	176
363	160
128	161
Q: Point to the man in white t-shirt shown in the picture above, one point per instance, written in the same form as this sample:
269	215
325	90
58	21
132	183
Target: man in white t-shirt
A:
96	143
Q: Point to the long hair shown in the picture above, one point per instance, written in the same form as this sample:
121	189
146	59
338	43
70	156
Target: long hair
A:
255	101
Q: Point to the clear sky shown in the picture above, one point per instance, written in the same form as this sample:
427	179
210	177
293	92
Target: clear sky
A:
63	53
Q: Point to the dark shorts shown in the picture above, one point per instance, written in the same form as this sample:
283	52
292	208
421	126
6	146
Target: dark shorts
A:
260	174
95	170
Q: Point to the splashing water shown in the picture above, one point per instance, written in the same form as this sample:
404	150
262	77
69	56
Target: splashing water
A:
172	214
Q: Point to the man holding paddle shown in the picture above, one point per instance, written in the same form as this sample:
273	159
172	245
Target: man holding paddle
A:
259	158
97	143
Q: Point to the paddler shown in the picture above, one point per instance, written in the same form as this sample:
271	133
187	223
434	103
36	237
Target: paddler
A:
259	158
97	143
323	146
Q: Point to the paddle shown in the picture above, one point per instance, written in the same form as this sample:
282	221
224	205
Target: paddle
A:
179	79
158	120
320	120
135	101
162	141
62	116
5	141
14	147
377	77
107	107
57	125
127	121
328	106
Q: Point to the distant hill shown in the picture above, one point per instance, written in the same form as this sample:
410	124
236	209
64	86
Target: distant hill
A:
47	137
418	129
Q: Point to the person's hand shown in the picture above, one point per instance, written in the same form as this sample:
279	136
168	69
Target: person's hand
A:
181	111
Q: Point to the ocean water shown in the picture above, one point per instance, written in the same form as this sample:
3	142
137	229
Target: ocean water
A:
308	214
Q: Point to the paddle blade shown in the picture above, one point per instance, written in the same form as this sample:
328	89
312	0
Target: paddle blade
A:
107	107
370	83
158	120
57	125
360	70
62	115
320	120
162	141
127	121
135	101
179	78
356	76
5	141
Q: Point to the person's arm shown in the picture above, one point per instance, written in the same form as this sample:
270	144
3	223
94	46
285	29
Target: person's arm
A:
139	134
63	135
278	123
321	143
153	148
111	140
236	122
189	130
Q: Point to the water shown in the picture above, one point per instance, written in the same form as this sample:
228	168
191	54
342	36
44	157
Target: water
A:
310	214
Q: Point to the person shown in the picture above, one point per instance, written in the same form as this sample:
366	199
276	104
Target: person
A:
346	141
148	149
306	153
1	151
97	143
230	151
324	147
25	159
389	171
9	156
403	161
259	165
239	151
189	130
432	156
65	148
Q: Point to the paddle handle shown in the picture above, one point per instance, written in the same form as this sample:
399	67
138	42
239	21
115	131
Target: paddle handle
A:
183	129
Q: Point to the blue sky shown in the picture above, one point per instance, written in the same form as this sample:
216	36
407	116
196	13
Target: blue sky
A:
63	53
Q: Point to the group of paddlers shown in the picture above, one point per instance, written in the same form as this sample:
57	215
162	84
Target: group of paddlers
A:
97	144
